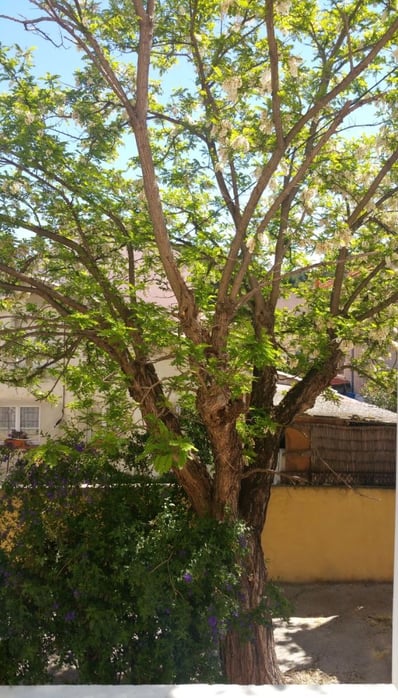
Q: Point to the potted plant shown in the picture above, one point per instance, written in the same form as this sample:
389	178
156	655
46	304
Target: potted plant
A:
17	439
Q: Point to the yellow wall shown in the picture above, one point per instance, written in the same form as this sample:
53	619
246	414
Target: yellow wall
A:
330	534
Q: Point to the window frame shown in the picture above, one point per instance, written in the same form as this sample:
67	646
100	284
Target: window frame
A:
31	431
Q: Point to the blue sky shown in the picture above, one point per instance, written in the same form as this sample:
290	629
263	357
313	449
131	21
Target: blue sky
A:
47	58
63	60
60	59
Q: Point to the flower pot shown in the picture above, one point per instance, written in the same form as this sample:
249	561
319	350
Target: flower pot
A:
17	443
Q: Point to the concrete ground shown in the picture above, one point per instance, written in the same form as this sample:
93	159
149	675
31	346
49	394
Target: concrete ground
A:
338	633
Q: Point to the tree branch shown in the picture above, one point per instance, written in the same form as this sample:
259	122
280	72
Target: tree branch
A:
303	394
144	55
212	108
280	198
361	287
338	280
28	284
322	102
274	63
372	188
387	302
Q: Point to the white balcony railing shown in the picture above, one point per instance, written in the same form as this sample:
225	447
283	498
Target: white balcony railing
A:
204	691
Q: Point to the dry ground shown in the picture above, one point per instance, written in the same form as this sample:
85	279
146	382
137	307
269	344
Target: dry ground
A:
338	633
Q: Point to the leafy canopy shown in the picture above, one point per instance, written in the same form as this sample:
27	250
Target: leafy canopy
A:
210	165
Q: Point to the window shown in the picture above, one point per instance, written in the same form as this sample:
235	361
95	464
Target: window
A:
29	419
7	418
20	418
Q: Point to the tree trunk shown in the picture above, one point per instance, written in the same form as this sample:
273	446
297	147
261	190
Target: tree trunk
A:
248	651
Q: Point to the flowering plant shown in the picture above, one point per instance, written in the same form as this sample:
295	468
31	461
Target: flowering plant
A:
117	578
17	434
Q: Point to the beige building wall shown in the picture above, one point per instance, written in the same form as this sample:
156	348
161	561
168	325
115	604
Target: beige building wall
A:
50	414
323	534
57	412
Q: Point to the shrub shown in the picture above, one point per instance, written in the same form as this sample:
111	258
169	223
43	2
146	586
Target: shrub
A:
110	573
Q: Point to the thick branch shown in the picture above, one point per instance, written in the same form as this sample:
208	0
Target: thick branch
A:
303	394
338	281
274	62
144	55
280	249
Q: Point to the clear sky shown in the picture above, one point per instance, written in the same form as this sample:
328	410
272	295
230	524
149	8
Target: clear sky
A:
47	58
63	60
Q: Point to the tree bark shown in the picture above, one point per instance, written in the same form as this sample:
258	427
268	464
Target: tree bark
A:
248	650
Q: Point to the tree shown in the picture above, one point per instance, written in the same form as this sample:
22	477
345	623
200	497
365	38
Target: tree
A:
233	155
382	389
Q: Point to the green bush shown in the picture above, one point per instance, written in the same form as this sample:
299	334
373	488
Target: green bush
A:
110	573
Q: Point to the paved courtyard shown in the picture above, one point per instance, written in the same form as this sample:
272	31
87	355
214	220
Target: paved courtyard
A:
338	633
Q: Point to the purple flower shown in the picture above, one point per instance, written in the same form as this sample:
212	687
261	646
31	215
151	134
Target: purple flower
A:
212	621
187	577
242	541
70	616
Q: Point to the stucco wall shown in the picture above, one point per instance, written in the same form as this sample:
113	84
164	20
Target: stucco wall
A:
50	413
330	534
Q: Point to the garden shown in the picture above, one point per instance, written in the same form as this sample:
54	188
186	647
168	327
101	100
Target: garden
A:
110	574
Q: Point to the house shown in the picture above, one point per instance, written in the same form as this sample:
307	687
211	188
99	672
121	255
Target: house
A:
340	441
21	411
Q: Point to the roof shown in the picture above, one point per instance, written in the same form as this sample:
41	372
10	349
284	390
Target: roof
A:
345	408
348	408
